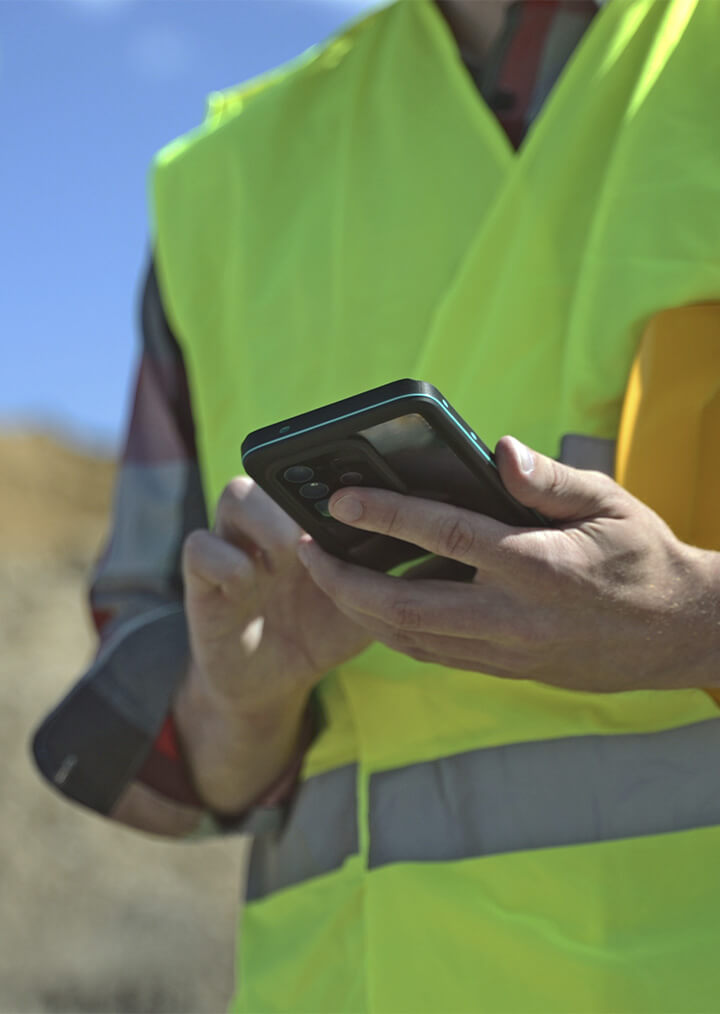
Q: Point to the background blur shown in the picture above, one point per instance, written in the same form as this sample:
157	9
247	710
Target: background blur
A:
93	917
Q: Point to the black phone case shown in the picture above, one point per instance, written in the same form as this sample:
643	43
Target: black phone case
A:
294	441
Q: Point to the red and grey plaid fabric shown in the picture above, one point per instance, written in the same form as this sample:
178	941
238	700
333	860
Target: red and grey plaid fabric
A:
115	726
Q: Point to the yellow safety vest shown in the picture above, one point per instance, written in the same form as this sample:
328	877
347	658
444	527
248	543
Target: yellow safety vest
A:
461	842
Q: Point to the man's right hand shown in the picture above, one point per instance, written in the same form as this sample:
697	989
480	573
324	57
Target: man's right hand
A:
262	634
260	629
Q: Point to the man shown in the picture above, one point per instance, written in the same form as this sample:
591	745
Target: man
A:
492	796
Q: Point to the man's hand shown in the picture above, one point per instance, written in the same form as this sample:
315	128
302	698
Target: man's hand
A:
262	635
261	630
608	600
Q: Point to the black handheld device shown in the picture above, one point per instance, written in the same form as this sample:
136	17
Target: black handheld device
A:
404	436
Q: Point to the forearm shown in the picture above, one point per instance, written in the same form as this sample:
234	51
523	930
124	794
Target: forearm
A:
235	754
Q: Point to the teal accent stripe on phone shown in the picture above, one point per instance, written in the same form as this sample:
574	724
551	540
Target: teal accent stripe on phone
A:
348	415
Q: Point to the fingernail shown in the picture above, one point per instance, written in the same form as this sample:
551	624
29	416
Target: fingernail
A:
347	508
525	456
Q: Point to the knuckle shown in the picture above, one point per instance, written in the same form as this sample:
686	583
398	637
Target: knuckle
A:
235	491
455	537
558	483
602	479
404	614
615	497
602	484
193	548
392	522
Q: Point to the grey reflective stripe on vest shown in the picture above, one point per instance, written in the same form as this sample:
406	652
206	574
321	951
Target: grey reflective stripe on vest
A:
588	452
549	793
319	834
543	794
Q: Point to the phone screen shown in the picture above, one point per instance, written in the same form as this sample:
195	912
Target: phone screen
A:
406	454
416	453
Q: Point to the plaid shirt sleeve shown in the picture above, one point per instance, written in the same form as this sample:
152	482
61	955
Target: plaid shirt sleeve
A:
115	726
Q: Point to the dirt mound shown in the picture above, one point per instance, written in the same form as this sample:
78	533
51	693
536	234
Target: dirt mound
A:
94	917
54	498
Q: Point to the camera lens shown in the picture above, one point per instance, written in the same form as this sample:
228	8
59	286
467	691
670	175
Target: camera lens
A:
322	507
314	490
351	478
298	473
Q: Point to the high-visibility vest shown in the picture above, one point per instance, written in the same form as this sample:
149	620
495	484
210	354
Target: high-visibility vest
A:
461	842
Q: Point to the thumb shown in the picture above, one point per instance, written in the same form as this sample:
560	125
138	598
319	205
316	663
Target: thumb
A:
557	491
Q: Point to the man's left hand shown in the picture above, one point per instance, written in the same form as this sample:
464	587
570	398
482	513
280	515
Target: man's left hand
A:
607	600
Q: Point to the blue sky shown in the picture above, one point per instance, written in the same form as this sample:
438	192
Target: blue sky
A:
89	91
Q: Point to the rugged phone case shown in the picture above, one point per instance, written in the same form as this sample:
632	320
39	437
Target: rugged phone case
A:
320	443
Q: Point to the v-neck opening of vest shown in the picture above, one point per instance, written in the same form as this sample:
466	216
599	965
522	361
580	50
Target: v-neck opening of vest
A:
483	114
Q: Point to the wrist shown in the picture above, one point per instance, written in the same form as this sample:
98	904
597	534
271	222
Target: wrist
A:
699	615
278	793
709	613
248	710
234	749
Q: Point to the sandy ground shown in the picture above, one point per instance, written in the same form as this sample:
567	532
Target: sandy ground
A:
93	917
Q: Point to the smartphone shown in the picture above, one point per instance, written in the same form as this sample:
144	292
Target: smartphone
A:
404	436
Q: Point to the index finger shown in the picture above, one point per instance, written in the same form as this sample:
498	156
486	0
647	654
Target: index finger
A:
439	528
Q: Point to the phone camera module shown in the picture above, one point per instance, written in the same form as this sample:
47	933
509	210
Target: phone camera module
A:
298	473
351	478
314	490
322	508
